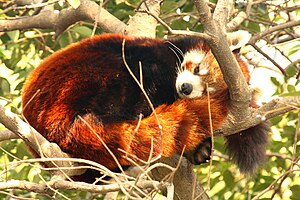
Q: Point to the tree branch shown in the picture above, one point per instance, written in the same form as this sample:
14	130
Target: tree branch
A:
221	14
271	109
36	141
61	20
142	24
7	135
279	27
269	58
67	185
238	87
235	22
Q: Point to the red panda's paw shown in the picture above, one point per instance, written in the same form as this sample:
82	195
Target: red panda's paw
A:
202	153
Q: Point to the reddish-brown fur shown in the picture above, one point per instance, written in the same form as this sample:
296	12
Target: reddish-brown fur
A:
61	100
83	95
215	78
184	123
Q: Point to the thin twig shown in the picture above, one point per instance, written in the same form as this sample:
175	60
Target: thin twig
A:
176	32
269	58
212	137
103	143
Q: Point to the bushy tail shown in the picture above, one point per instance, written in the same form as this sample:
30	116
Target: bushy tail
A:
247	148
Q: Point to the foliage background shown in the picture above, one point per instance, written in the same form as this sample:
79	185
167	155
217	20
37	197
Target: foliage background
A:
22	50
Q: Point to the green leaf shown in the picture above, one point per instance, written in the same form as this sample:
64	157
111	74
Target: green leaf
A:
292	71
14	35
291	88
64	40
180	24
296	191
170	5
2	54
275	81
229	179
294	49
289	129
74	3
123	13
4	86
275	120
83	31
251	25
295	93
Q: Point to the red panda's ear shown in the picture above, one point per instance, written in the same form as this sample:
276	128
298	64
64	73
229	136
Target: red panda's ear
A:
238	39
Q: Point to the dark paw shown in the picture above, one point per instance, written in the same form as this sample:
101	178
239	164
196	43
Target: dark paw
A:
201	154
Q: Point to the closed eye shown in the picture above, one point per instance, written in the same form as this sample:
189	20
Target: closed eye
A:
196	70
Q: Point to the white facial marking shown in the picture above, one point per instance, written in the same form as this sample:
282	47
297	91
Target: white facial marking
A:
203	71
194	56
187	77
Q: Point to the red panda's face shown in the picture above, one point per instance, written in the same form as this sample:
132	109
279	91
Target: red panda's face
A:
194	74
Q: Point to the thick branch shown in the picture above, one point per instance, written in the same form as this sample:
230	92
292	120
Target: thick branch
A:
61	20
236	22
221	14
99	189
238	87
32	138
273	108
187	185
142	24
279	27
7	135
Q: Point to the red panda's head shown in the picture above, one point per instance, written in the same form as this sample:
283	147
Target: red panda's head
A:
199	73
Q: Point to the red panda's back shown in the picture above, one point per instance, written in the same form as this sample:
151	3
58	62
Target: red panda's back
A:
90	77
58	89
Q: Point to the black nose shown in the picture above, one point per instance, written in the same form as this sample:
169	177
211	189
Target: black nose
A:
186	88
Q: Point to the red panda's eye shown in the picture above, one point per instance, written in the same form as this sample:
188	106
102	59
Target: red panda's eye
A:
196	70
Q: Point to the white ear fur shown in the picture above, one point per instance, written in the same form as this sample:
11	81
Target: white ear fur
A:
238	39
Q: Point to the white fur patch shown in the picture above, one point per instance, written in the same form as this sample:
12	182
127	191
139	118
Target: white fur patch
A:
203	71
187	77
238	39
195	56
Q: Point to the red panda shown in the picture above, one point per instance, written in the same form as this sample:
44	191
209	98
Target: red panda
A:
83	95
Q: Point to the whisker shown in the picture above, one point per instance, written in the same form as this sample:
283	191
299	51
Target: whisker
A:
178	68
175	54
176	48
176	51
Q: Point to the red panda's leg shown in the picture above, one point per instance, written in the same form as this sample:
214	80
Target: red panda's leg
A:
202	152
